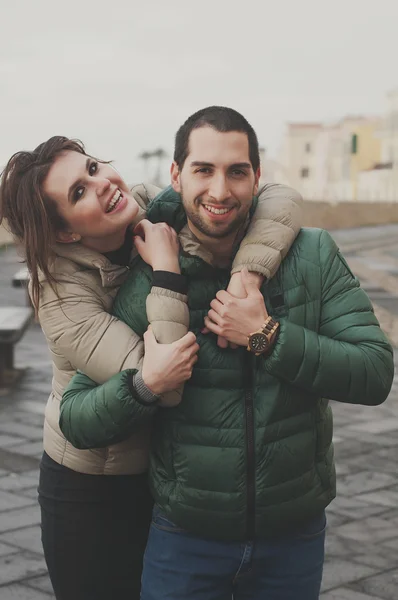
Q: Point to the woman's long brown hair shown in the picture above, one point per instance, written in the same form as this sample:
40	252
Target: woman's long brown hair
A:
30	215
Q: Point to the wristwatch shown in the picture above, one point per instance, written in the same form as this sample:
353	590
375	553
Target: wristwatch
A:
261	341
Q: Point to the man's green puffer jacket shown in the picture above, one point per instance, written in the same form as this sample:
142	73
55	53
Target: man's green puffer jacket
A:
249	452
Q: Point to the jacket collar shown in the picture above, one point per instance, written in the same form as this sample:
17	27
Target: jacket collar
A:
168	207
111	274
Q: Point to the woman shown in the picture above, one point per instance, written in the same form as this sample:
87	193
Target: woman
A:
72	215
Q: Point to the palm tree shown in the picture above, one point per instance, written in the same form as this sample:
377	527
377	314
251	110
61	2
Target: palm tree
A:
160	154
145	156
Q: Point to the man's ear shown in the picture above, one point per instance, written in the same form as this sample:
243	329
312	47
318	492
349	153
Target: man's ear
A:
67	237
175	177
257	176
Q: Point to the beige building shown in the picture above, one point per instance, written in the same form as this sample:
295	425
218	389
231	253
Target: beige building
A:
380	182
299	156
389	132
365	151
324	161
272	171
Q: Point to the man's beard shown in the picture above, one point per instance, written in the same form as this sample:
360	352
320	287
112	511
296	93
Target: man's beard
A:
212	230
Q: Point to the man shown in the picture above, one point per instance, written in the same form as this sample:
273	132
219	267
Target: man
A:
242	469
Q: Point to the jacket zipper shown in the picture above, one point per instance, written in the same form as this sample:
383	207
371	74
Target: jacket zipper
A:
250	457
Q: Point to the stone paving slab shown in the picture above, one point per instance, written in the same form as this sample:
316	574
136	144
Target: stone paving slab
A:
30	493
26	432
19	518
6	550
362	539
20	482
338	572
17	567
28	538
347	594
365	481
384	585
14	462
10	440
42	584
21	592
9	501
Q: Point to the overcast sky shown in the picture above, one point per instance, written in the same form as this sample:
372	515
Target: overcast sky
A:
123	75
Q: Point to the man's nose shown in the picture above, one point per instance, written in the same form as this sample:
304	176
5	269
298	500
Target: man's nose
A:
218	189
103	186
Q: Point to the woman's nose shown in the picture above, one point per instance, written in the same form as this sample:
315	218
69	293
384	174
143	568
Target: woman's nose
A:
103	186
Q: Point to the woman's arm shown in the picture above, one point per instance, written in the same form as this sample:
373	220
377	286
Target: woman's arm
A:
273	229
93	341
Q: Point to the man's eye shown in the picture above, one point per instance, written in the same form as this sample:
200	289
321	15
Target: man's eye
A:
203	170
93	168
238	172
78	193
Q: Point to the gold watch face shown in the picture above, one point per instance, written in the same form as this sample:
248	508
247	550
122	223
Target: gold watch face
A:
258	342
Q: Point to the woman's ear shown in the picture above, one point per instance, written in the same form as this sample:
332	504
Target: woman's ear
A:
66	237
175	177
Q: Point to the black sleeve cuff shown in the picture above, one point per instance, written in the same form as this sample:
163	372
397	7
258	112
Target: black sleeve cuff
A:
170	281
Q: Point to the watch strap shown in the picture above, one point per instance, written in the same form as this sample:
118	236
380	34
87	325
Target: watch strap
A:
270	326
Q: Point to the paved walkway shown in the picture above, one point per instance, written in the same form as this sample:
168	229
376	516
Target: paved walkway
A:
362	542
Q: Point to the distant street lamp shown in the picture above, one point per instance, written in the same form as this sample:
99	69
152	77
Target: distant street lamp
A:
160	154
145	156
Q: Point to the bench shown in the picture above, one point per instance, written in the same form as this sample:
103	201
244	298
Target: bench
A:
21	280
13	324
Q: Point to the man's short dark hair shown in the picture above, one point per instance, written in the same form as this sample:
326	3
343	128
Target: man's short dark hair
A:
222	119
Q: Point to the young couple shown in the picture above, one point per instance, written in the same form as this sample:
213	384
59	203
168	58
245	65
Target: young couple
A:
232	414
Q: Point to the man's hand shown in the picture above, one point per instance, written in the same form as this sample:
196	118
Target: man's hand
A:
237	289
236	318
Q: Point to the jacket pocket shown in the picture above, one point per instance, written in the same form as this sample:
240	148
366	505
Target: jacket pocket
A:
162	522
314	528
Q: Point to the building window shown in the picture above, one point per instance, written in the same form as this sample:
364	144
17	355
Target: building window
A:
308	148
305	172
354	143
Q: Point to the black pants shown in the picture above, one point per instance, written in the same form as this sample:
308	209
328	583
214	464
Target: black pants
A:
94	532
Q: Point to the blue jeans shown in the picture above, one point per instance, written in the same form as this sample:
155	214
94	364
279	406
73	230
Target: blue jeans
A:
180	566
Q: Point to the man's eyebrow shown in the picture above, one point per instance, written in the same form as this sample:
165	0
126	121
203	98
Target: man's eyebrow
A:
76	183
201	163
242	165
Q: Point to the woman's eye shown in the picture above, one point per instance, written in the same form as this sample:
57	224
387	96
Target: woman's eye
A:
78	193
93	168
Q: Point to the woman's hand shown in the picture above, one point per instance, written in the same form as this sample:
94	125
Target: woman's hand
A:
167	366
158	246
